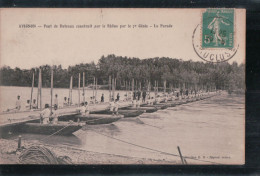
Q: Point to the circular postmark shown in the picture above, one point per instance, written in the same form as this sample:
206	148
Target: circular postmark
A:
214	55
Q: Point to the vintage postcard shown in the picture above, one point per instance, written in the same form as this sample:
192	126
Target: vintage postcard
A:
122	86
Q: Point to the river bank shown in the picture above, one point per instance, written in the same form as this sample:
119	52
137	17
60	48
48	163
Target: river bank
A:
9	154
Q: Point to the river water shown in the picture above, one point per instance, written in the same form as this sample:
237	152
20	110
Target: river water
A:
211	130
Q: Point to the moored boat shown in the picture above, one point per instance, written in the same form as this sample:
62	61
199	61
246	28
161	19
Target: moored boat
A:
131	113
158	106
61	128
96	119
126	113
146	109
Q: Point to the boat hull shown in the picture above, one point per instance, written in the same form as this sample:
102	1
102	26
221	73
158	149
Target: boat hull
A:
62	128
146	109
158	106
96	119
126	113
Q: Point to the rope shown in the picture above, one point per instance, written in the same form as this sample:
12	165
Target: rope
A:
155	150
42	155
55	132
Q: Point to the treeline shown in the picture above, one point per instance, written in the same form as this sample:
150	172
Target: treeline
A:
176	72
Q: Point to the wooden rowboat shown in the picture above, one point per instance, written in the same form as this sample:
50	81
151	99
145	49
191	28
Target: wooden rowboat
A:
61	128
96	119
130	113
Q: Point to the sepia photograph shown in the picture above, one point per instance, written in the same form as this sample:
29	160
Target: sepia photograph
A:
122	86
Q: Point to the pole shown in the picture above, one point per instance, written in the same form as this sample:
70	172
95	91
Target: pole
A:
83	87
51	86
164	86
70	91
125	88
93	88
40	82
79	91
182	159
109	86
32	91
96	90
19	141
115	84
113	80
38	91
129	87
133	88
157	89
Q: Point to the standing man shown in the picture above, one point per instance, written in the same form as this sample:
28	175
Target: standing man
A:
134	95
56	101
102	98
138	94
27	106
18	103
34	104
65	102
84	109
144	95
54	115
45	115
117	97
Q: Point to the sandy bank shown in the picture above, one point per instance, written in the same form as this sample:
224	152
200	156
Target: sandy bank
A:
9	155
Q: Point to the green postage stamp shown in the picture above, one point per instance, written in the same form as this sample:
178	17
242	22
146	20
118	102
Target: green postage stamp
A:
218	28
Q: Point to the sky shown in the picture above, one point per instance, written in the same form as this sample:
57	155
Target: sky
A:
32	47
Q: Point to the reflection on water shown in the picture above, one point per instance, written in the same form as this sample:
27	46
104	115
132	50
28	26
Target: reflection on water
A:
212	127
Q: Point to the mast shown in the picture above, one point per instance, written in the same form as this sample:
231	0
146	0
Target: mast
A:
96	90
157	87
79	91
70	91
39	93
129	88
51	86
109	86
93	88
32	91
164	86
113	88
83	84
115	84
133	88
149	88
126	90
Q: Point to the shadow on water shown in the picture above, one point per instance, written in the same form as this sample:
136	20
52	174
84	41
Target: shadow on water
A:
150	116
109	129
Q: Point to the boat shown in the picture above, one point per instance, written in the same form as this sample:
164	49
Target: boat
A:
126	113
96	119
61	128
158	106
131	113
146	109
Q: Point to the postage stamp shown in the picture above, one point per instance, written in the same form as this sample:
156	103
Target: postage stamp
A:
218	28
214	38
